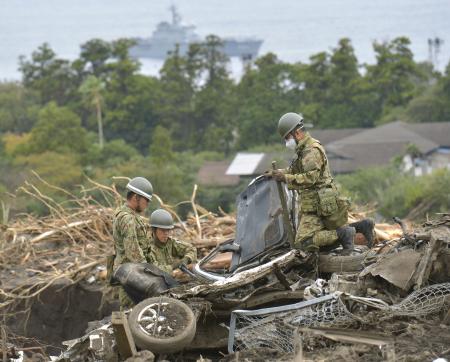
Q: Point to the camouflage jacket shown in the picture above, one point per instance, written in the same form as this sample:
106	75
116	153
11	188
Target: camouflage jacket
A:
164	255
130	236
309	171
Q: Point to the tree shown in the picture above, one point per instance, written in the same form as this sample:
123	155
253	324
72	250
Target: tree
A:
214	118
52	78
161	148
392	77
58	129
92	89
266	91
18	108
94	58
131	99
178	77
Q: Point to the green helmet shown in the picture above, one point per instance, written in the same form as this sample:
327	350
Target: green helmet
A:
141	186
288	122
161	219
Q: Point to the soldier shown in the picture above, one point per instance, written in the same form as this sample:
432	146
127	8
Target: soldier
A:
167	253
323	212
129	230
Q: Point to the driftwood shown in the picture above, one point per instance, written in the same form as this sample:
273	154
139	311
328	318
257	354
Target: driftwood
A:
425	264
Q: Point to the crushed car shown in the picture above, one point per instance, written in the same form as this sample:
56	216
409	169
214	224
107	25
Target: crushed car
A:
270	292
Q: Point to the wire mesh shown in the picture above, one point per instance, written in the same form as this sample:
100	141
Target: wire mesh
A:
424	301
275	328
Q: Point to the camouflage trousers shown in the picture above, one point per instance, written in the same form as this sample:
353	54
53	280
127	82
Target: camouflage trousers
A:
124	300
312	227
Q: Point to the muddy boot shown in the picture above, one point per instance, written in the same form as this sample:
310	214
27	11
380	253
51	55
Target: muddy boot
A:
346	235
365	227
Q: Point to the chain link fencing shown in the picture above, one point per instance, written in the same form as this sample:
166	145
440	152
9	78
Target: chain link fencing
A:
275	328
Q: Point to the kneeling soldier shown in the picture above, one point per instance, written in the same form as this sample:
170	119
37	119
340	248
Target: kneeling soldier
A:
165	252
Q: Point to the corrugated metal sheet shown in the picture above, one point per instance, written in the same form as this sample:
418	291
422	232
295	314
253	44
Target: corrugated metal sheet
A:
245	164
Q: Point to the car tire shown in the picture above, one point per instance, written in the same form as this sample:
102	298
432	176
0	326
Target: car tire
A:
341	263
166	344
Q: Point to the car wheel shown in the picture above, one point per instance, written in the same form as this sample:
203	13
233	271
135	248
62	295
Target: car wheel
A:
162	325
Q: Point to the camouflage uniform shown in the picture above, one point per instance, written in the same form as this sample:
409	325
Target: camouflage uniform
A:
131	243
308	174
163	255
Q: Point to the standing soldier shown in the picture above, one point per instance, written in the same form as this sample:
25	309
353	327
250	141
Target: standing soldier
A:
129	230
323	213
167	253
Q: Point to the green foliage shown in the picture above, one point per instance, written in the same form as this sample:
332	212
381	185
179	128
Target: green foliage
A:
113	153
59	130
18	108
392	77
92	90
161	148
194	112
93	58
60	169
265	93
399	194
52	78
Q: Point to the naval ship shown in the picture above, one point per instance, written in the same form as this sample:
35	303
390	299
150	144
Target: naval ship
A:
167	35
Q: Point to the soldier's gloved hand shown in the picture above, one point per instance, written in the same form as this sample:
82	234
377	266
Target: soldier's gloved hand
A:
268	174
176	263
186	261
279	176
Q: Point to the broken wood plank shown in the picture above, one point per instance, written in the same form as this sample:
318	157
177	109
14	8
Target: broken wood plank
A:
430	255
122	333
49	233
346	336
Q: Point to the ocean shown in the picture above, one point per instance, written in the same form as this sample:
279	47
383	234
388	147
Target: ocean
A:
293	29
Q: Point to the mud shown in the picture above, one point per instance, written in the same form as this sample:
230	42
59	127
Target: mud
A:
61	312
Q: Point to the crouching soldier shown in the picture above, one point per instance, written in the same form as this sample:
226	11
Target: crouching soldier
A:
165	252
323	212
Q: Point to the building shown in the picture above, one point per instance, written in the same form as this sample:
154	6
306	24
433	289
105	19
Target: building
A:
422	148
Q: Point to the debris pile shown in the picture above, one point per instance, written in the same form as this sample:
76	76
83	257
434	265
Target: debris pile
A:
385	293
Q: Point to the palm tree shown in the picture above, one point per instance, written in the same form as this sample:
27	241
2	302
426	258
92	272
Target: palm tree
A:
92	89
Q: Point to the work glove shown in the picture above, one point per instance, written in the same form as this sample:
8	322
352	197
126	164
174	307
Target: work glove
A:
279	176
268	174
176	263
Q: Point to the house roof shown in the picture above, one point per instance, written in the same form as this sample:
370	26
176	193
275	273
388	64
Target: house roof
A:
377	146
438	132
395	132
350	149
213	173
326	136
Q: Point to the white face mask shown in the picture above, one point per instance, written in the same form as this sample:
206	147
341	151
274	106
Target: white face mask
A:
291	144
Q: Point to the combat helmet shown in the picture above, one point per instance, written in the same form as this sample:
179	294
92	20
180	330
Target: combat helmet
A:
162	219
141	186
288	122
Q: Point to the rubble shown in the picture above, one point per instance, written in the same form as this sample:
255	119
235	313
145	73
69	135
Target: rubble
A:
52	261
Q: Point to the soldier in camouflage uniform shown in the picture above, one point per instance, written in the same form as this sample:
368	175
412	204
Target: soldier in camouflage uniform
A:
129	230
167	253
310	175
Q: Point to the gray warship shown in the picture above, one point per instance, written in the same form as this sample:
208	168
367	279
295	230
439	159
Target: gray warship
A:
167	35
